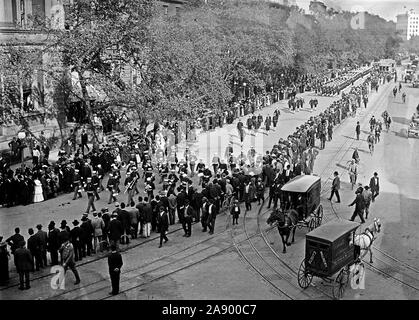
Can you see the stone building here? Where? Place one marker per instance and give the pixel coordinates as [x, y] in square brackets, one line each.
[17, 29]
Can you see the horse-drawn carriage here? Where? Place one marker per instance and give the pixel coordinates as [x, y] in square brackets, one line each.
[330, 249]
[300, 207]
[335, 248]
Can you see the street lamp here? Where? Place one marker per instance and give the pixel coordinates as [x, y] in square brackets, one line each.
[244, 89]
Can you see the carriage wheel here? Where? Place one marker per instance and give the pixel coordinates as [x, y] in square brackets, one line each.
[312, 224]
[304, 277]
[340, 284]
[319, 216]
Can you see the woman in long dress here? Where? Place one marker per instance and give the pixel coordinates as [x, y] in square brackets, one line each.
[38, 196]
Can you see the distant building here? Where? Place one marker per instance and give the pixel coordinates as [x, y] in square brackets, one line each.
[171, 7]
[408, 24]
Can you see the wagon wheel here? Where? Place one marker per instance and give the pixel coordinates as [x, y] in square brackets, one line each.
[319, 216]
[312, 224]
[341, 282]
[304, 276]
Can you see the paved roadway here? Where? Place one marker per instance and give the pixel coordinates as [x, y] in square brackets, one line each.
[204, 267]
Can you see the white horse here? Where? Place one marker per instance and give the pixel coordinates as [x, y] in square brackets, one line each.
[366, 239]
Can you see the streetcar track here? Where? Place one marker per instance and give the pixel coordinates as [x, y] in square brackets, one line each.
[291, 270]
[246, 260]
[103, 256]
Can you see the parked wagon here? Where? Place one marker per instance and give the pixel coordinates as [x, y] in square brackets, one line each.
[330, 250]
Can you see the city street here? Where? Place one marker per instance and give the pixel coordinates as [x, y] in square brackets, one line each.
[177, 270]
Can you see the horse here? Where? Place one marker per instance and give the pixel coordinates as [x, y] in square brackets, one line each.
[285, 222]
[366, 239]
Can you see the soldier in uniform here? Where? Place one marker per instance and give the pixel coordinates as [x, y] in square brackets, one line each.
[76, 184]
[96, 183]
[130, 184]
[90, 190]
[112, 189]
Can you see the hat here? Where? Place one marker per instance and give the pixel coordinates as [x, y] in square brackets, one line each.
[84, 218]
[63, 223]
[114, 214]
[52, 223]
[39, 226]
[116, 204]
[104, 209]
[75, 223]
[94, 213]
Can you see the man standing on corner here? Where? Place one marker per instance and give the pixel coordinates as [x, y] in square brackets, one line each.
[335, 187]
[24, 264]
[375, 186]
[67, 254]
[115, 264]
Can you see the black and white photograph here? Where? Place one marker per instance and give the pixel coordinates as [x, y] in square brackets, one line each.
[233, 151]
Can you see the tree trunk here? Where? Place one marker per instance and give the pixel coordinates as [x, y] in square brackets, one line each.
[87, 107]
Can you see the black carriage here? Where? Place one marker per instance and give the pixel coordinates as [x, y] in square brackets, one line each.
[329, 250]
[303, 195]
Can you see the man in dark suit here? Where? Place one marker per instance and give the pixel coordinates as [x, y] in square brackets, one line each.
[15, 240]
[33, 247]
[115, 230]
[187, 219]
[84, 139]
[163, 221]
[375, 186]
[358, 130]
[212, 215]
[42, 238]
[287, 174]
[359, 206]
[335, 187]
[115, 263]
[75, 238]
[24, 264]
[53, 242]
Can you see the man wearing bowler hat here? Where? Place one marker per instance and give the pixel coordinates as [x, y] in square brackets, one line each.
[75, 238]
[24, 264]
[67, 256]
[42, 237]
[115, 263]
[53, 242]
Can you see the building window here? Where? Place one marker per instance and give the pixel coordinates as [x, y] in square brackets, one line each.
[178, 10]
[166, 10]
[38, 9]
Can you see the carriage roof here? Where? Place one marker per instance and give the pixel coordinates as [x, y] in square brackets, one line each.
[333, 230]
[301, 183]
